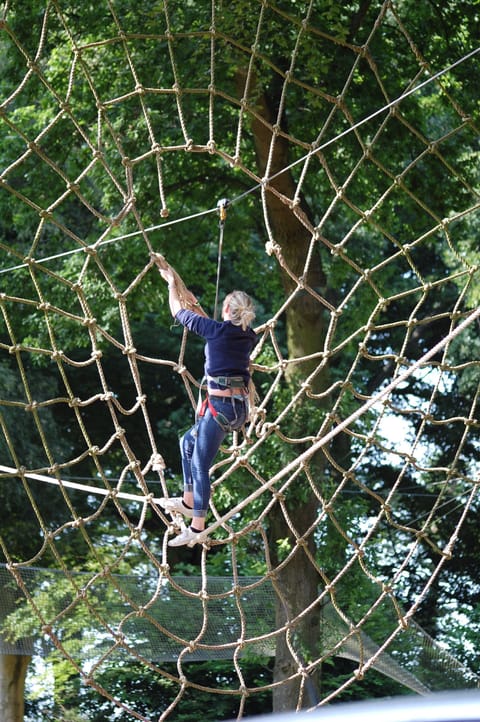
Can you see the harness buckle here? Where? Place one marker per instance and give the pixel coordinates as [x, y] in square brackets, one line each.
[228, 381]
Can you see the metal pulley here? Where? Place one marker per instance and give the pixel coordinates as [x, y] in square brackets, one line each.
[222, 206]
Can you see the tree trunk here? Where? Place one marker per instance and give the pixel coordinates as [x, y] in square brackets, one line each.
[299, 584]
[305, 319]
[13, 670]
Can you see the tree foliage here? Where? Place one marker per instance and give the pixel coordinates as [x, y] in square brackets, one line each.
[110, 138]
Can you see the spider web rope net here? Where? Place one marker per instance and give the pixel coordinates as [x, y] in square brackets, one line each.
[61, 256]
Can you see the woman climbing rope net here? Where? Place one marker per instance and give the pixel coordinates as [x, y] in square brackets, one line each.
[229, 344]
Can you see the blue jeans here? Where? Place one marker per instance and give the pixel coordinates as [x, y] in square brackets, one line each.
[200, 444]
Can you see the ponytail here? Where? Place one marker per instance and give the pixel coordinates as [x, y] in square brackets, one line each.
[241, 309]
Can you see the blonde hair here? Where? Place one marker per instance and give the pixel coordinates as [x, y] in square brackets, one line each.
[241, 308]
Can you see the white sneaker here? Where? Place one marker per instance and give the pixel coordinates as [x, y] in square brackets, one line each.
[188, 538]
[175, 505]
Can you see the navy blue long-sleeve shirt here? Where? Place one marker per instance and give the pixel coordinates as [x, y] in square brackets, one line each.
[228, 347]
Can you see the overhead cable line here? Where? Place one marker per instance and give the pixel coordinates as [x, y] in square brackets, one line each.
[265, 181]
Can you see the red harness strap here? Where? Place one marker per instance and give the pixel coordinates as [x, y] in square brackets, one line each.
[207, 403]
[222, 421]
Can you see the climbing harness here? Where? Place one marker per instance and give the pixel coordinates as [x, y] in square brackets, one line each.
[220, 418]
[225, 424]
[230, 382]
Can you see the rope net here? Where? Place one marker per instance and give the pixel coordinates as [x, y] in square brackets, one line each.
[351, 423]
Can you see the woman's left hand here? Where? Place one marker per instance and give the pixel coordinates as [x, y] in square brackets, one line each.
[167, 275]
